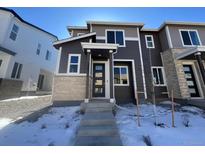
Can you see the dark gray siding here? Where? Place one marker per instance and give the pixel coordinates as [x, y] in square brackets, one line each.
[73, 48]
[156, 61]
[163, 40]
[131, 51]
[125, 94]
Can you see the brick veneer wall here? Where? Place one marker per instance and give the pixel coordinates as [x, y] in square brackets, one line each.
[10, 88]
[69, 88]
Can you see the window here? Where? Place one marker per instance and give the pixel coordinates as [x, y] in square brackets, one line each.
[16, 72]
[48, 55]
[115, 36]
[79, 34]
[190, 37]
[121, 75]
[38, 49]
[158, 76]
[74, 63]
[0, 62]
[14, 32]
[149, 41]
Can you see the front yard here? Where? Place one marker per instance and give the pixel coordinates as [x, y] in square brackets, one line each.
[59, 126]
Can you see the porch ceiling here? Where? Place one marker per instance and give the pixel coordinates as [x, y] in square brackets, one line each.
[189, 53]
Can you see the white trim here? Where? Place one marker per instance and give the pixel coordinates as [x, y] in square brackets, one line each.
[100, 37]
[152, 40]
[74, 38]
[196, 78]
[163, 76]
[188, 30]
[168, 37]
[107, 79]
[114, 30]
[133, 72]
[74, 75]
[115, 23]
[131, 38]
[78, 64]
[142, 66]
[86, 45]
[58, 60]
[121, 84]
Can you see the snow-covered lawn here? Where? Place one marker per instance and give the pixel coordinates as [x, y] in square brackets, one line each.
[57, 127]
[189, 122]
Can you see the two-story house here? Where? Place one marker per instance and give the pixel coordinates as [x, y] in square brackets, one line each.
[116, 61]
[27, 56]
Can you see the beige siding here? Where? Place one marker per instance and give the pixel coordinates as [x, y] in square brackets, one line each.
[129, 31]
[69, 88]
[76, 31]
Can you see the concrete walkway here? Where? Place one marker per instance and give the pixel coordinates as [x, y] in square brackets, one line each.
[98, 126]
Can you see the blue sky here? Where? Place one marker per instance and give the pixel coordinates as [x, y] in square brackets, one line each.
[55, 20]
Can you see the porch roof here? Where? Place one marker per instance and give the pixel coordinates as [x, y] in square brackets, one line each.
[190, 51]
[108, 46]
[7, 51]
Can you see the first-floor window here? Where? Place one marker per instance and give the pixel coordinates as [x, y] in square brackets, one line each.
[158, 76]
[48, 55]
[121, 75]
[74, 63]
[16, 72]
[0, 62]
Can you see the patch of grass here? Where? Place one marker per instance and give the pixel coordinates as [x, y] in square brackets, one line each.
[67, 125]
[162, 125]
[147, 140]
[185, 120]
[43, 126]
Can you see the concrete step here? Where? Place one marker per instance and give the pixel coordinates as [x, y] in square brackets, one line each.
[98, 118]
[98, 141]
[98, 109]
[98, 130]
[101, 105]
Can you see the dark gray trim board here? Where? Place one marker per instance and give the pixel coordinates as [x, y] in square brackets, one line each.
[7, 51]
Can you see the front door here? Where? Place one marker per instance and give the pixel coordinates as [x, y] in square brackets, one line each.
[98, 80]
[191, 81]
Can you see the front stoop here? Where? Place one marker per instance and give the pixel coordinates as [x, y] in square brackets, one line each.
[98, 126]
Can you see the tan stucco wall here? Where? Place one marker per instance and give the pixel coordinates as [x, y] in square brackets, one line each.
[69, 88]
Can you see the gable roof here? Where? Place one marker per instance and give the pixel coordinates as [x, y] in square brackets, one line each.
[7, 51]
[74, 38]
[17, 16]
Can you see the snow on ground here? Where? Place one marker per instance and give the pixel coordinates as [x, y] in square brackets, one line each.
[185, 116]
[57, 127]
[20, 98]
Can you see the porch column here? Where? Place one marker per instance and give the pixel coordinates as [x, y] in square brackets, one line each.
[87, 95]
[112, 97]
[201, 66]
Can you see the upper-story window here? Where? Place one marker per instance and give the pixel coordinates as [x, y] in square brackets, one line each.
[14, 32]
[16, 72]
[74, 63]
[190, 37]
[158, 76]
[149, 41]
[116, 36]
[38, 49]
[48, 55]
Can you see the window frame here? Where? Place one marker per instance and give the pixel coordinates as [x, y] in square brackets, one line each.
[121, 84]
[49, 55]
[17, 73]
[152, 40]
[163, 75]
[39, 46]
[12, 31]
[69, 63]
[115, 30]
[188, 30]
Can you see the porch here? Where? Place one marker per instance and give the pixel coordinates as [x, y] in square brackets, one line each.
[99, 76]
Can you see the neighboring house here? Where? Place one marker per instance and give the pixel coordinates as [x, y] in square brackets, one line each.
[115, 61]
[27, 56]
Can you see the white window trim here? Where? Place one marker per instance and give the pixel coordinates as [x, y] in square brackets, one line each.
[163, 74]
[152, 40]
[69, 59]
[123, 32]
[190, 37]
[128, 83]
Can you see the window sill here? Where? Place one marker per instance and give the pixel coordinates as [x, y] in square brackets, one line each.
[121, 85]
